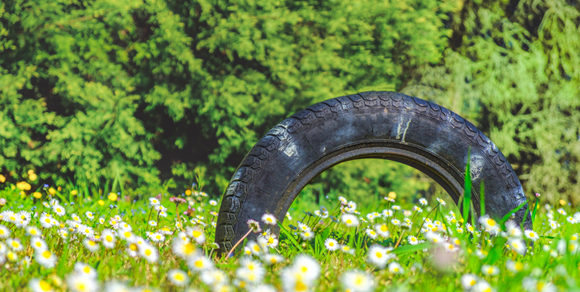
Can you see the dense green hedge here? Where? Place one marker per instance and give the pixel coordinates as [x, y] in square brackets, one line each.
[143, 90]
[516, 70]
[148, 90]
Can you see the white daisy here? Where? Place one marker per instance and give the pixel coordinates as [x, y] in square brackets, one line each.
[38, 243]
[531, 235]
[59, 210]
[200, 262]
[91, 245]
[178, 277]
[331, 244]
[81, 283]
[395, 268]
[269, 219]
[108, 238]
[350, 220]
[84, 269]
[4, 232]
[45, 258]
[149, 253]
[468, 281]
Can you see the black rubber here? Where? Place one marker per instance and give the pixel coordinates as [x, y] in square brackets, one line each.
[386, 125]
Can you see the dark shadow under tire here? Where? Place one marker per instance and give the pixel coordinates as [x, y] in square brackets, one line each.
[385, 125]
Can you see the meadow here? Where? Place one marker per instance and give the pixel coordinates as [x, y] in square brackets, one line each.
[65, 239]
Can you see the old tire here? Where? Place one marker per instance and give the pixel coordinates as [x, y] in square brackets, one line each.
[384, 125]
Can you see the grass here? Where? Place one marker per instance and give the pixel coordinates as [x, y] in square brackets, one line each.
[422, 247]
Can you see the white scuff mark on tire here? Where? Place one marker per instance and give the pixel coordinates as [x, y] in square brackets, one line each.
[476, 166]
[290, 149]
[403, 130]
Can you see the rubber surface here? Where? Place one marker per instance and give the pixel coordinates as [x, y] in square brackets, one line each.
[385, 125]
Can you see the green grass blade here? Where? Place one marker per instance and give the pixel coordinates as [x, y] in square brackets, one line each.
[467, 189]
[482, 198]
[534, 211]
[411, 248]
[289, 235]
[524, 220]
[507, 216]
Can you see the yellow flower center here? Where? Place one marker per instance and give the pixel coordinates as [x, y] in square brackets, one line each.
[300, 286]
[87, 269]
[46, 254]
[472, 282]
[44, 286]
[199, 263]
[189, 248]
[491, 222]
[379, 254]
[178, 277]
[81, 287]
[196, 233]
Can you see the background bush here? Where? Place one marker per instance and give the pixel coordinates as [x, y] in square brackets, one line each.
[515, 69]
[145, 91]
[149, 89]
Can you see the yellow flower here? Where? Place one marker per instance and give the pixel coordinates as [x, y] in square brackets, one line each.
[30, 171]
[37, 195]
[112, 196]
[562, 202]
[101, 202]
[392, 195]
[32, 177]
[52, 191]
[24, 186]
[74, 192]
[187, 192]
[2, 178]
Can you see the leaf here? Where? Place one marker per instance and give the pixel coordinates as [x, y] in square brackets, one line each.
[290, 237]
[412, 248]
[507, 216]
[482, 198]
[467, 189]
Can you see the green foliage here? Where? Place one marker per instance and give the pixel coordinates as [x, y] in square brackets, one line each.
[368, 181]
[92, 89]
[515, 72]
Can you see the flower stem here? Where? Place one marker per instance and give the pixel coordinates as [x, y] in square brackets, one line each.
[238, 243]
